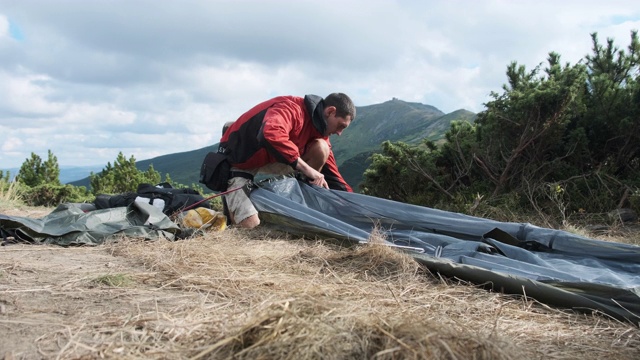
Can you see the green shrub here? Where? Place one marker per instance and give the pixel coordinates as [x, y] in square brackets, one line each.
[50, 195]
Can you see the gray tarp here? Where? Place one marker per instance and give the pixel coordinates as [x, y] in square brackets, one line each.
[68, 224]
[552, 266]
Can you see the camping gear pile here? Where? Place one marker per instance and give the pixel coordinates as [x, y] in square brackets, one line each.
[152, 212]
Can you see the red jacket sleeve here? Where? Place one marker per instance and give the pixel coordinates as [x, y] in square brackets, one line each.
[281, 121]
[332, 175]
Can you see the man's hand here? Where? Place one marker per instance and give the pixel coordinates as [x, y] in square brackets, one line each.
[314, 176]
[319, 181]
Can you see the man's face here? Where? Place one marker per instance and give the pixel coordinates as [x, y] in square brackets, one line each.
[336, 124]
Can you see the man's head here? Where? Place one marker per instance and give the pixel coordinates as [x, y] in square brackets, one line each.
[339, 111]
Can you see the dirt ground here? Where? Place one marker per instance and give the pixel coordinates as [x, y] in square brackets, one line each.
[46, 291]
[204, 297]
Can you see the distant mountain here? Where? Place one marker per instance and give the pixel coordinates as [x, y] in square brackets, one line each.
[393, 120]
[68, 174]
[435, 130]
[12, 172]
[183, 167]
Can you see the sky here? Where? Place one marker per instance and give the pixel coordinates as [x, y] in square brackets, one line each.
[90, 79]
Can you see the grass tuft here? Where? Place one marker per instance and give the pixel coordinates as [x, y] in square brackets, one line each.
[113, 280]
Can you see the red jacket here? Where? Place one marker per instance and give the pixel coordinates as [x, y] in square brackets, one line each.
[278, 130]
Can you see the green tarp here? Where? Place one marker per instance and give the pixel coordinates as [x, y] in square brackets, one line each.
[69, 224]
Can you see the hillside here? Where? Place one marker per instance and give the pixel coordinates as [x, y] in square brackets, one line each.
[435, 129]
[183, 167]
[393, 120]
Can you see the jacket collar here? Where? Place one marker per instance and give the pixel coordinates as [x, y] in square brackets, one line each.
[315, 108]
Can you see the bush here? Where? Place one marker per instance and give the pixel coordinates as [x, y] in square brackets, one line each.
[52, 195]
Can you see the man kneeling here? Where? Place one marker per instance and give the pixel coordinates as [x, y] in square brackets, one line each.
[280, 136]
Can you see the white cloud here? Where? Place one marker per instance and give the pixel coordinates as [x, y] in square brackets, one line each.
[10, 144]
[4, 26]
[26, 96]
[90, 79]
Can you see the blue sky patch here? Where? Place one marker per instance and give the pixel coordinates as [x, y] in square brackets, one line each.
[619, 19]
[15, 32]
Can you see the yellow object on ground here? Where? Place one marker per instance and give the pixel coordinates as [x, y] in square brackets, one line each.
[203, 218]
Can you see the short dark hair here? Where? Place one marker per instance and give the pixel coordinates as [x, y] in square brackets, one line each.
[344, 105]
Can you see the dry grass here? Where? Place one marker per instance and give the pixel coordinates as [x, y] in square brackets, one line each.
[11, 202]
[628, 234]
[9, 194]
[260, 295]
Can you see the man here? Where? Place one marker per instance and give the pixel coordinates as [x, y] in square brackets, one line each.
[280, 136]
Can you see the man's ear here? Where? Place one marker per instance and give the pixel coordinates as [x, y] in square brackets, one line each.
[329, 110]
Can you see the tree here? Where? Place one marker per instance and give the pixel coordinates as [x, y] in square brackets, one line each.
[521, 133]
[122, 177]
[425, 174]
[30, 172]
[405, 173]
[612, 123]
[34, 171]
[51, 170]
[5, 176]
[455, 157]
[561, 135]
[387, 173]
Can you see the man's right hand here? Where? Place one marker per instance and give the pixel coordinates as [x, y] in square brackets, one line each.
[313, 176]
[320, 181]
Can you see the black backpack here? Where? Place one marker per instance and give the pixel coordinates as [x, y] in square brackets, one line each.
[215, 171]
[172, 200]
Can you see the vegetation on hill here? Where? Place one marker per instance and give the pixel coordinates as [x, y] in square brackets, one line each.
[182, 168]
[562, 140]
[374, 124]
[37, 182]
[122, 177]
[393, 120]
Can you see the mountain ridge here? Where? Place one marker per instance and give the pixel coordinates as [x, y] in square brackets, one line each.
[393, 120]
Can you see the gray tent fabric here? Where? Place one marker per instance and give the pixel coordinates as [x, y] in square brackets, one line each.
[69, 225]
[552, 266]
